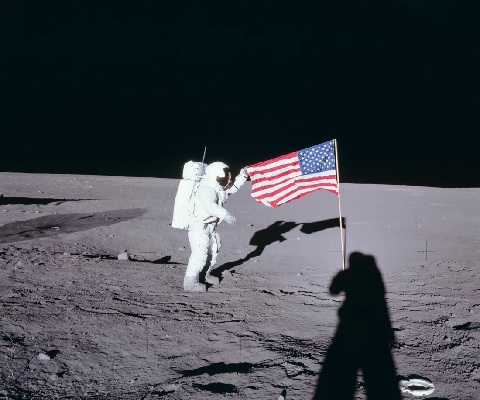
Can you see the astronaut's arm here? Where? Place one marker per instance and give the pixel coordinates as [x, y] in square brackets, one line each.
[209, 201]
[239, 181]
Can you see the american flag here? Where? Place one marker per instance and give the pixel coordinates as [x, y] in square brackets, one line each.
[294, 175]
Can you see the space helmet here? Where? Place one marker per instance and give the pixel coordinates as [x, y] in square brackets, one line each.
[218, 172]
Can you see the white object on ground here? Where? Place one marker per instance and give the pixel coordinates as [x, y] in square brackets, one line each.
[417, 387]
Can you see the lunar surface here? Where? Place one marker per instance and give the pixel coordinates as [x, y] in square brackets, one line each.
[92, 305]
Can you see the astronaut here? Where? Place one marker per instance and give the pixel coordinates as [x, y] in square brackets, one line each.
[205, 214]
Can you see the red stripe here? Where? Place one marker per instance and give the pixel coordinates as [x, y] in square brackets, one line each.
[302, 191]
[293, 166]
[263, 163]
[279, 200]
[274, 192]
[256, 188]
[297, 186]
[323, 177]
[315, 185]
[282, 177]
[300, 195]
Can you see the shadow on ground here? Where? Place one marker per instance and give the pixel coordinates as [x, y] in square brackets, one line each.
[51, 225]
[161, 261]
[34, 200]
[363, 338]
[274, 233]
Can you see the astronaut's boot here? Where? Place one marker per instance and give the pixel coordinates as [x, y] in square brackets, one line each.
[191, 284]
[209, 278]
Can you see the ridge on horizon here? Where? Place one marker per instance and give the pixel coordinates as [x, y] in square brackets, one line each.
[417, 183]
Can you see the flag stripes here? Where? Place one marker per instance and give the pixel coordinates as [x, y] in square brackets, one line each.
[290, 177]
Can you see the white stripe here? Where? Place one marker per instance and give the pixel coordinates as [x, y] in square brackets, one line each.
[275, 182]
[288, 198]
[300, 191]
[275, 164]
[319, 181]
[260, 192]
[319, 174]
[282, 193]
[316, 182]
[270, 176]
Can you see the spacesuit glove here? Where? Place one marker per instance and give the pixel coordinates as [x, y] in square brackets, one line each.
[240, 180]
[229, 219]
[244, 172]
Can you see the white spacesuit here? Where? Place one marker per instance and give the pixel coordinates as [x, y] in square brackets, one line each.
[206, 212]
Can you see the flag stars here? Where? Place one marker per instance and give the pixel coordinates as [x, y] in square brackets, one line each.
[317, 159]
[308, 170]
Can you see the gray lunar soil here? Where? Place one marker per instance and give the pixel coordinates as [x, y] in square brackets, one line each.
[76, 322]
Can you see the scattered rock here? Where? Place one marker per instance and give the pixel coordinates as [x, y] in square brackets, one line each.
[123, 256]
[43, 357]
[170, 388]
[475, 374]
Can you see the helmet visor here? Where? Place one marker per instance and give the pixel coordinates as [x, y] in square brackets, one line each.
[225, 179]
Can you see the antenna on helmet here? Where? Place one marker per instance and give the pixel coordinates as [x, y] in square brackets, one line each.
[204, 151]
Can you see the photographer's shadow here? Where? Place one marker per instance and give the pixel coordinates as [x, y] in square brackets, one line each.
[363, 338]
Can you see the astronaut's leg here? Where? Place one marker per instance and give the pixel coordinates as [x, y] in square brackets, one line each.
[214, 248]
[199, 245]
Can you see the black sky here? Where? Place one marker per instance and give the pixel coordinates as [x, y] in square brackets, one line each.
[140, 87]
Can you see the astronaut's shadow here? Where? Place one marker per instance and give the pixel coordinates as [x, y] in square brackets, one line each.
[274, 233]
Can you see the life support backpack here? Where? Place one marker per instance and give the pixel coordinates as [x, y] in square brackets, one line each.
[192, 175]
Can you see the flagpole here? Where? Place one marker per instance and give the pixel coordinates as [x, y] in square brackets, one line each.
[339, 206]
